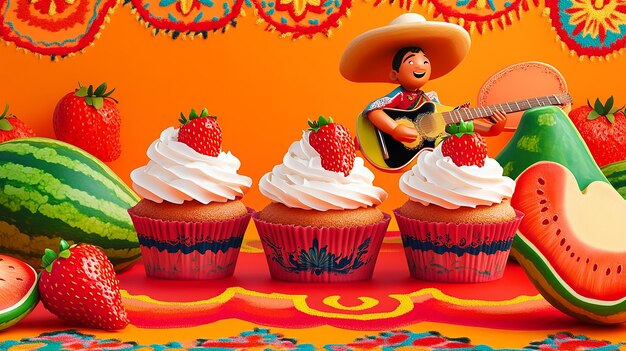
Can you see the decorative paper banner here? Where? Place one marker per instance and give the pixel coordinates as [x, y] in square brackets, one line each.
[187, 17]
[301, 17]
[590, 27]
[57, 28]
[263, 339]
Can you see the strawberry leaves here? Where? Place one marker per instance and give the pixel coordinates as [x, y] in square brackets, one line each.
[322, 121]
[95, 97]
[193, 115]
[5, 125]
[603, 110]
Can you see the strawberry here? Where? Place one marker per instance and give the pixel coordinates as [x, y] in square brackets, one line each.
[89, 119]
[334, 144]
[604, 130]
[12, 128]
[201, 133]
[80, 286]
[463, 146]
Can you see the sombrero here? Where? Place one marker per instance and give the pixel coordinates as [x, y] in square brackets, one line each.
[368, 57]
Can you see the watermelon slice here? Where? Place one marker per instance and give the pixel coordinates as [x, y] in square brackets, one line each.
[572, 244]
[18, 290]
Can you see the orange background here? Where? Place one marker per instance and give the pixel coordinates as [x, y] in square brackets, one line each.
[263, 88]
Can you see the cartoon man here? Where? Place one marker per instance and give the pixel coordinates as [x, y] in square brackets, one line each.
[409, 51]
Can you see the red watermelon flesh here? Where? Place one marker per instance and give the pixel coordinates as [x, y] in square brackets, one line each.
[18, 290]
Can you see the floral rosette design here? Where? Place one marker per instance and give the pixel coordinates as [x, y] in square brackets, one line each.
[302, 17]
[187, 17]
[56, 28]
[590, 27]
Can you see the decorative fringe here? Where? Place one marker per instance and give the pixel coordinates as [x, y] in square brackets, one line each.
[321, 20]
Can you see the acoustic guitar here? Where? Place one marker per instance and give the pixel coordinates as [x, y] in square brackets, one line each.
[430, 120]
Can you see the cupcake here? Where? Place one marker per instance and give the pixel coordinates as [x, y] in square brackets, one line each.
[322, 224]
[190, 222]
[458, 224]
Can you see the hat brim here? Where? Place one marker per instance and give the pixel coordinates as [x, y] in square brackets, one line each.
[369, 56]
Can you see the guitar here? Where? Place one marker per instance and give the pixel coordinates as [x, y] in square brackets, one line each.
[430, 120]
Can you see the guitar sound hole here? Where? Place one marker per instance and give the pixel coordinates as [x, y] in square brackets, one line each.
[429, 126]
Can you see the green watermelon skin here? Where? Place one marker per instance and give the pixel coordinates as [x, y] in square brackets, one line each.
[18, 291]
[616, 174]
[547, 134]
[50, 190]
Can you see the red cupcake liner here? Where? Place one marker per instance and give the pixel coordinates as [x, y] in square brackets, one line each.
[457, 253]
[321, 255]
[190, 250]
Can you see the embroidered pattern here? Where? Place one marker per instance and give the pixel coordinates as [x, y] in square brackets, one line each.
[319, 260]
[263, 339]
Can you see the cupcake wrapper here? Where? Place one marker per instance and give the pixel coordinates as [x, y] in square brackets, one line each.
[457, 253]
[190, 250]
[321, 255]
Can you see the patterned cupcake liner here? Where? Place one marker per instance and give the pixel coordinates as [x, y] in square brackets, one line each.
[321, 255]
[457, 253]
[190, 250]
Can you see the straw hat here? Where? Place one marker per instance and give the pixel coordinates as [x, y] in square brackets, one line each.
[368, 57]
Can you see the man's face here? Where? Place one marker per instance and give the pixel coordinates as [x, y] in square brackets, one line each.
[414, 71]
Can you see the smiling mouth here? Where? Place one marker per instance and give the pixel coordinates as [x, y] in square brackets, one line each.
[419, 75]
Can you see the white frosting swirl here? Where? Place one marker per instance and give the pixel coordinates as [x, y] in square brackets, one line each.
[177, 173]
[437, 180]
[301, 182]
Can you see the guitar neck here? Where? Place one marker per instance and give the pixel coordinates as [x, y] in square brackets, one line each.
[468, 114]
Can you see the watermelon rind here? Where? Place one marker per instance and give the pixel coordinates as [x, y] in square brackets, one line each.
[547, 134]
[616, 174]
[589, 309]
[51, 190]
[15, 313]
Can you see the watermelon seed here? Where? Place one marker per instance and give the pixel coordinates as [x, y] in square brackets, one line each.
[539, 191]
[578, 259]
[544, 209]
[587, 260]
[608, 271]
[558, 232]
[545, 222]
[3, 279]
[572, 255]
[543, 201]
[541, 181]
[19, 279]
[568, 247]
[562, 241]
[619, 269]
[555, 218]
[595, 267]
[11, 267]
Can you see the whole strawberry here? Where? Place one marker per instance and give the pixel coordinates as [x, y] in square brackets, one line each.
[80, 286]
[603, 128]
[12, 128]
[201, 132]
[463, 146]
[334, 144]
[89, 118]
